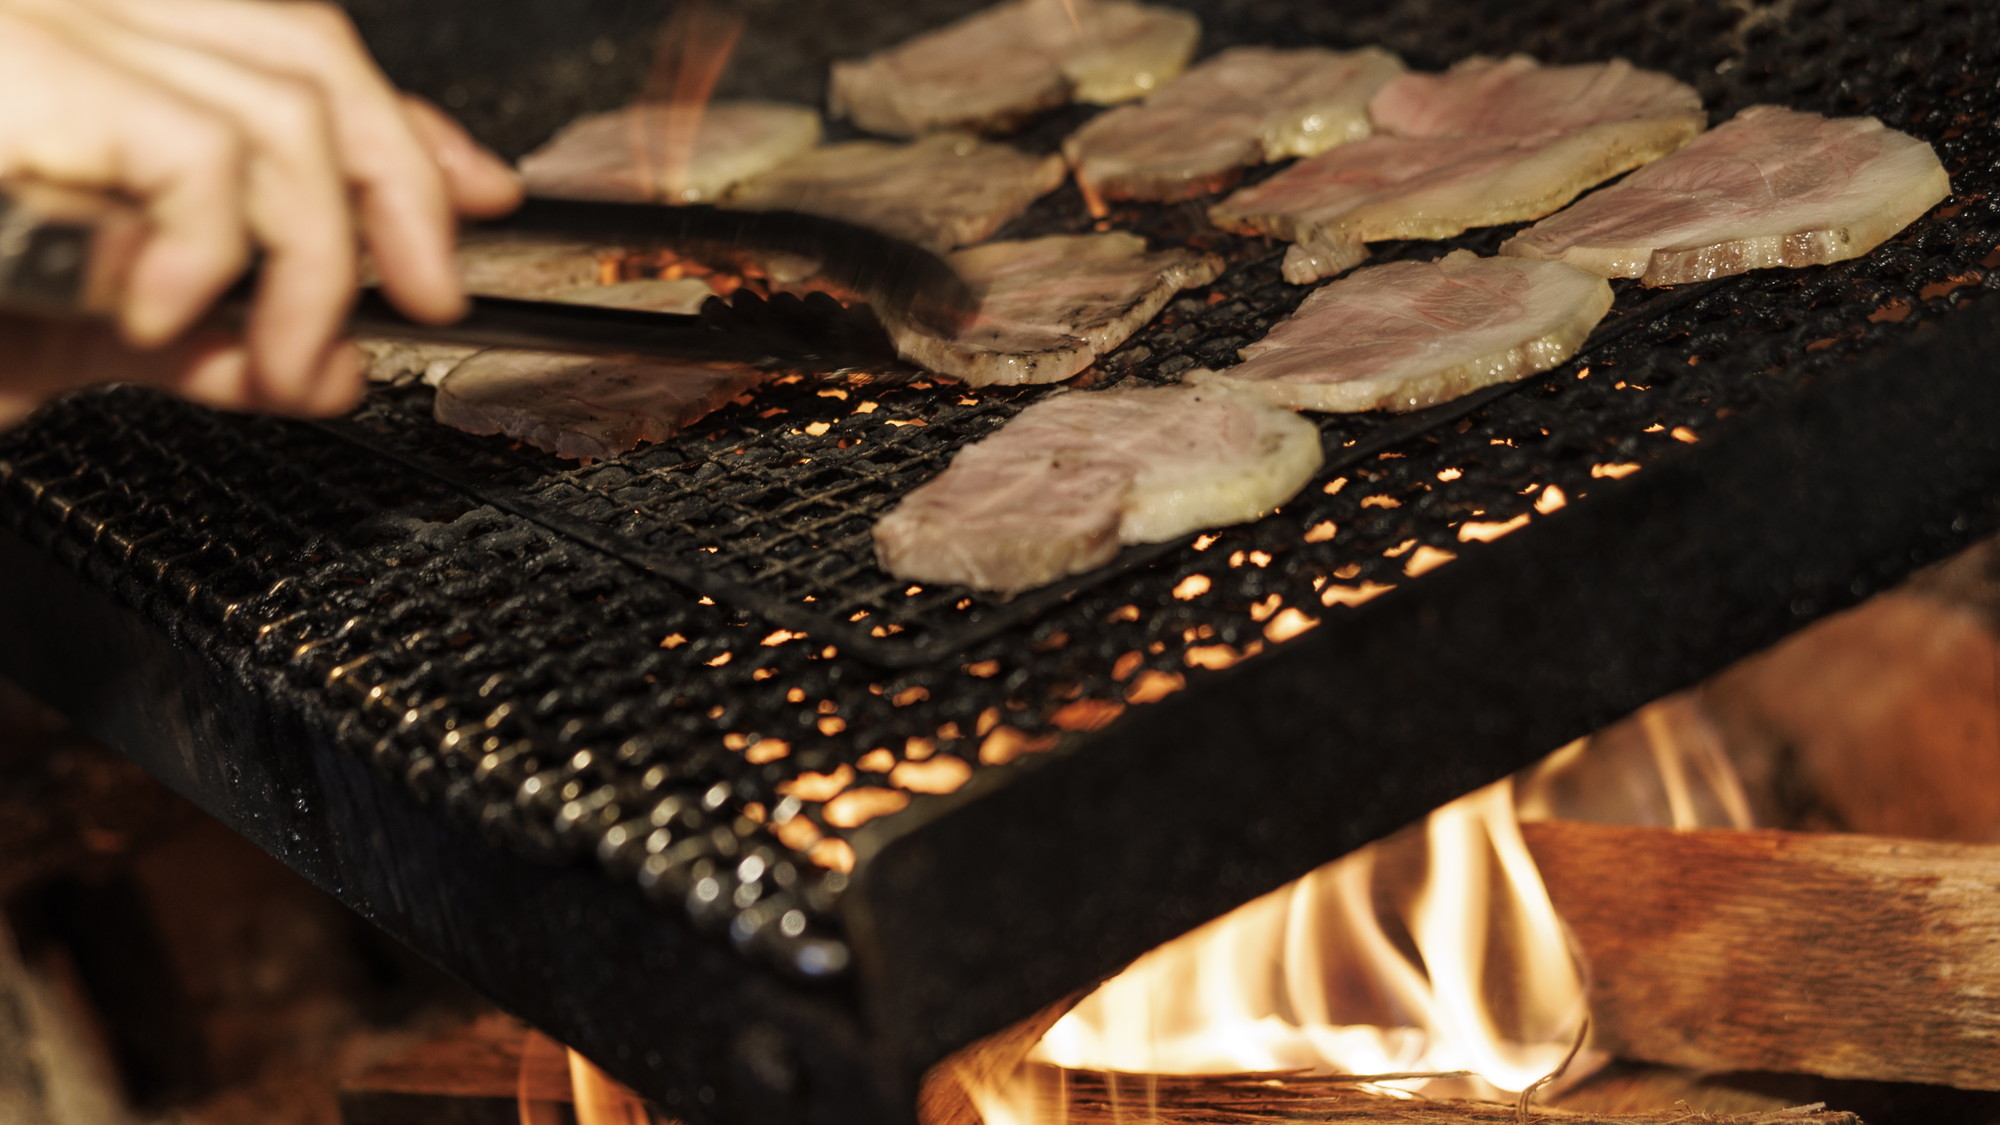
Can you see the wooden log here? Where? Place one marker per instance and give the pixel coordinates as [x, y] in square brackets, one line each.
[470, 1076]
[1098, 1099]
[1882, 720]
[951, 1090]
[1842, 956]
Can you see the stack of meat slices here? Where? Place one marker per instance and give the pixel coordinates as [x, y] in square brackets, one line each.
[1245, 106]
[1488, 142]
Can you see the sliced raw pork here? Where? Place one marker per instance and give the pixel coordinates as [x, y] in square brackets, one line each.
[1407, 335]
[942, 191]
[669, 153]
[996, 68]
[1245, 106]
[1072, 478]
[1486, 143]
[1518, 97]
[1771, 187]
[1379, 188]
[1051, 306]
[586, 407]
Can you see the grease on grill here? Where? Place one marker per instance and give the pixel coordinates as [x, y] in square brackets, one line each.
[569, 705]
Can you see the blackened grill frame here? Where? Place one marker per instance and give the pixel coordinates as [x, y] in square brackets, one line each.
[210, 612]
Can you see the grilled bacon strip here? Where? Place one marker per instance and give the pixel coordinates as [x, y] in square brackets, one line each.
[1771, 187]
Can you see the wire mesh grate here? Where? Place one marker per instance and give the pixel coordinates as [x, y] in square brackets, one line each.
[606, 662]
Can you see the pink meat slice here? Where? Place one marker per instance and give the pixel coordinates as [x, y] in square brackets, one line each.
[1407, 335]
[1771, 187]
[1486, 143]
[1072, 478]
[1380, 188]
[1050, 306]
[1245, 106]
[585, 407]
[669, 153]
[1518, 97]
[994, 69]
[942, 191]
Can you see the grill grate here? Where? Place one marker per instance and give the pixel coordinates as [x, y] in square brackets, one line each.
[621, 661]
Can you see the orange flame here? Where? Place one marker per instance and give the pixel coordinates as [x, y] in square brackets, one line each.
[694, 46]
[1434, 953]
[602, 1101]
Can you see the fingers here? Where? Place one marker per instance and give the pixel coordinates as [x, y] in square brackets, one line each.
[73, 119]
[45, 358]
[405, 202]
[481, 184]
[295, 195]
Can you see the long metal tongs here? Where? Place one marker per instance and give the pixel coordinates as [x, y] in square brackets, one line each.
[51, 266]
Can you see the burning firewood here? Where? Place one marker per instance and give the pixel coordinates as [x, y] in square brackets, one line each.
[1085, 1098]
[1842, 956]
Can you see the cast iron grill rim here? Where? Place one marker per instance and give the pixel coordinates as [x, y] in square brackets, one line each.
[516, 676]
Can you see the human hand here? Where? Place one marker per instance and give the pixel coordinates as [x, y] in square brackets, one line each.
[236, 127]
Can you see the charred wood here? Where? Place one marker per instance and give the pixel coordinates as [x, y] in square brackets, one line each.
[1081, 1098]
[1843, 956]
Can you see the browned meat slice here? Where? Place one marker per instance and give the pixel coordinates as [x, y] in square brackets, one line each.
[1518, 97]
[942, 191]
[1772, 187]
[1245, 106]
[996, 68]
[1407, 335]
[1416, 187]
[1060, 487]
[510, 266]
[669, 153]
[1051, 306]
[663, 295]
[390, 360]
[581, 406]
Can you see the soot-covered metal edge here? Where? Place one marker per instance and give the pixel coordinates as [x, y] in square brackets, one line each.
[922, 988]
[709, 1034]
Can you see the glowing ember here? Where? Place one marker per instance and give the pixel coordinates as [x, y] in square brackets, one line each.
[694, 45]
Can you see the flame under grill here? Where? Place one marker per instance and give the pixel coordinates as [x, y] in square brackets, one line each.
[680, 672]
